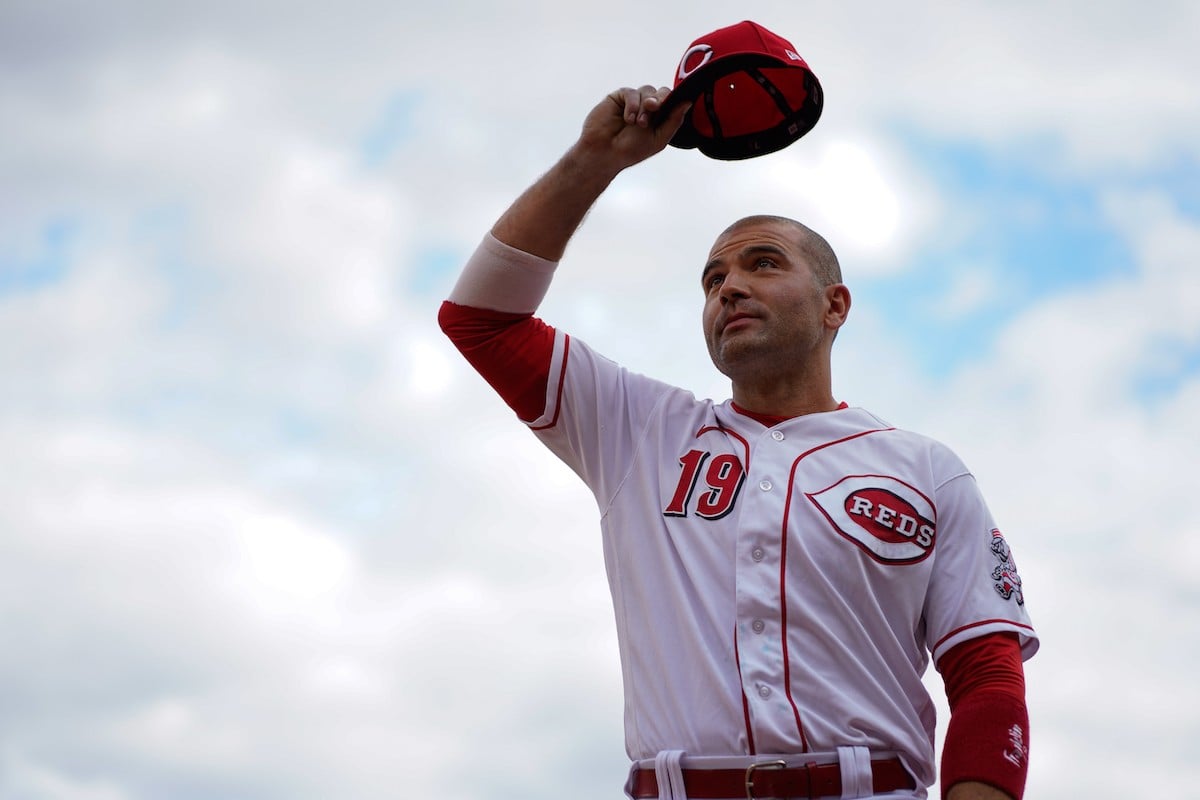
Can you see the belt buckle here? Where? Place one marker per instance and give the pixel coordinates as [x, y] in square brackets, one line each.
[777, 764]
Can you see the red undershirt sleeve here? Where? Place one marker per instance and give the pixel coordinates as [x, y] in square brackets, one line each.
[511, 351]
[988, 736]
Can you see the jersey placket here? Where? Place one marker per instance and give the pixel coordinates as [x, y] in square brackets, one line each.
[758, 596]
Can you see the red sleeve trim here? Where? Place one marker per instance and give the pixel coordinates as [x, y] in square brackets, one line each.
[562, 378]
[978, 624]
[511, 351]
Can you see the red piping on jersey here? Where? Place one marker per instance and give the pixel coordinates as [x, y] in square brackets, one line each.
[787, 662]
[771, 420]
[787, 509]
[737, 660]
[562, 376]
[957, 631]
[728, 432]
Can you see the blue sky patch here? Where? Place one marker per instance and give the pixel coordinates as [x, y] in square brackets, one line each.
[1177, 364]
[297, 426]
[434, 270]
[48, 264]
[1181, 180]
[166, 229]
[390, 128]
[1028, 234]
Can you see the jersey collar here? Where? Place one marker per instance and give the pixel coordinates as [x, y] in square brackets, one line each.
[769, 420]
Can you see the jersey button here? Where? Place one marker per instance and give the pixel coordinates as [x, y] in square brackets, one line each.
[777, 435]
[758, 554]
[764, 691]
[765, 485]
[758, 626]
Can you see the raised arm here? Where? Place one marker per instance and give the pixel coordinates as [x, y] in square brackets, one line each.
[619, 132]
[489, 313]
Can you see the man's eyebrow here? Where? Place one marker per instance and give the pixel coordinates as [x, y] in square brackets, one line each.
[745, 252]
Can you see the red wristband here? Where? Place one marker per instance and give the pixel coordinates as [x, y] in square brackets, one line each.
[988, 741]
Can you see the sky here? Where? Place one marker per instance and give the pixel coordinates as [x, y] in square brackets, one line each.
[264, 535]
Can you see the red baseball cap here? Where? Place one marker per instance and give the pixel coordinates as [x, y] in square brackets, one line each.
[751, 91]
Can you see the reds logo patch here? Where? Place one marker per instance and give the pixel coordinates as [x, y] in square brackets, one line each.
[891, 521]
[1007, 581]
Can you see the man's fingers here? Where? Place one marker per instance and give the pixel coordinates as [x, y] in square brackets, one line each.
[651, 99]
[628, 126]
[639, 105]
[631, 104]
[646, 105]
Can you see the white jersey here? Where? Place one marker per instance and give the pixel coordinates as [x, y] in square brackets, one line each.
[777, 590]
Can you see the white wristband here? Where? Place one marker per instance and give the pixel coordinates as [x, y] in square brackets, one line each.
[502, 278]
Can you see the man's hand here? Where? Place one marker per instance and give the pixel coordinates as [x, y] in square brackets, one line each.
[619, 132]
[622, 130]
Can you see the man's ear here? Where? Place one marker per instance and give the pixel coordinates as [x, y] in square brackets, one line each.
[837, 305]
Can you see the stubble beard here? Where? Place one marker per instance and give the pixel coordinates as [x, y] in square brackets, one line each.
[743, 355]
[760, 357]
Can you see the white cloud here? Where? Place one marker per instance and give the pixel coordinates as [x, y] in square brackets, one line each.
[852, 191]
[23, 778]
[279, 554]
[262, 533]
[1075, 85]
[972, 287]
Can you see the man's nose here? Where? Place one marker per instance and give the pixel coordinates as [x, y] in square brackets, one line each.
[733, 287]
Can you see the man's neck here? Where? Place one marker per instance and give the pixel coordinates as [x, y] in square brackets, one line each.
[787, 385]
[781, 403]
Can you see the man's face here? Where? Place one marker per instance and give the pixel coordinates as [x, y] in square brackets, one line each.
[764, 311]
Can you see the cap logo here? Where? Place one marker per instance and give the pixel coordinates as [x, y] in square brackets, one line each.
[693, 50]
[793, 56]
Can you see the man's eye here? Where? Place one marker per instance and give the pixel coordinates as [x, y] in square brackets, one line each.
[713, 281]
[764, 262]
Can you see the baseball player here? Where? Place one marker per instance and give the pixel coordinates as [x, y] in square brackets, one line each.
[783, 566]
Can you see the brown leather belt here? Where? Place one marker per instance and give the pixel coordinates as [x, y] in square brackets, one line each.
[774, 779]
